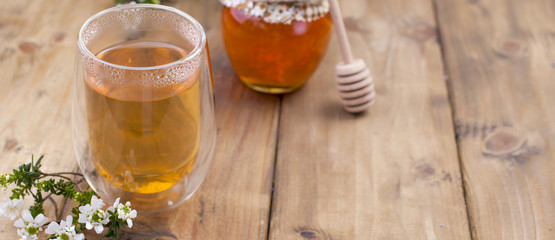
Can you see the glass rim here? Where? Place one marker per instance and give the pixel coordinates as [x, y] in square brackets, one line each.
[194, 53]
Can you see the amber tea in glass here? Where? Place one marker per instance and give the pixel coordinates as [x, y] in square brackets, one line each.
[143, 106]
[137, 153]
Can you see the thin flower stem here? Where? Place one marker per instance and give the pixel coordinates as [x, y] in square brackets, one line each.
[46, 198]
[60, 173]
[34, 196]
[55, 207]
[54, 175]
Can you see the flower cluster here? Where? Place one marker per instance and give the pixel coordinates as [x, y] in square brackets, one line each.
[29, 180]
[29, 226]
[93, 216]
[123, 212]
[64, 231]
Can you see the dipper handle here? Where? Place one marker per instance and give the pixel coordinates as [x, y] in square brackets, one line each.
[353, 79]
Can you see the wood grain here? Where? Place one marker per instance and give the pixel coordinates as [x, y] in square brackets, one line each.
[391, 173]
[37, 51]
[37, 47]
[500, 57]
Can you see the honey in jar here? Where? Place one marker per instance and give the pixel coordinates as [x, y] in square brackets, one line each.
[275, 47]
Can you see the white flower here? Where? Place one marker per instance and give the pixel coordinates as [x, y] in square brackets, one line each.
[258, 10]
[234, 3]
[124, 212]
[4, 183]
[10, 207]
[93, 216]
[65, 230]
[30, 227]
[299, 15]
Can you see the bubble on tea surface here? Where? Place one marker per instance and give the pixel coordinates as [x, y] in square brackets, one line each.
[131, 18]
[156, 19]
[185, 29]
[147, 78]
[180, 73]
[88, 64]
[90, 32]
[111, 75]
[99, 26]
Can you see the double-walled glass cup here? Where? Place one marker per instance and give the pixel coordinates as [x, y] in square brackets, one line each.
[143, 110]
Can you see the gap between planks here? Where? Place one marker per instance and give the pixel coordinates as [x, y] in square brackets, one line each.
[280, 104]
[449, 89]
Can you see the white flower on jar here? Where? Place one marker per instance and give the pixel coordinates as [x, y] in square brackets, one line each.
[234, 3]
[299, 15]
[258, 10]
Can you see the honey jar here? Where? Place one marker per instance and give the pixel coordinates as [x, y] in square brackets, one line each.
[275, 46]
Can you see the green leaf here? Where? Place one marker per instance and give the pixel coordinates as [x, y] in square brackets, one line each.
[38, 164]
[84, 197]
[75, 211]
[36, 209]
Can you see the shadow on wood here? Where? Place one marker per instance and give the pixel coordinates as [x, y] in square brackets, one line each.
[151, 227]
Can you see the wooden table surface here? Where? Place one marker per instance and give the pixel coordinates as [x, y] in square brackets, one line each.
[458, 145]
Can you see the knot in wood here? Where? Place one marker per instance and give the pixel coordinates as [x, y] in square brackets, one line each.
[422, 32]
[501, 142]
[308, 234]
[312, 233]
[425, 170]
[352, 24]
[10, 144]
[509, 48]
[28, 47]
[60, 36]
[513, 144]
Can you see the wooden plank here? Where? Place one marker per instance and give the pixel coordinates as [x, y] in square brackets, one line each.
[500, 57]
[36, 57]
[37, 52]
[391, 173]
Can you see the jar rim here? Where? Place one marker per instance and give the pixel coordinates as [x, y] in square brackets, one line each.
[281, 11]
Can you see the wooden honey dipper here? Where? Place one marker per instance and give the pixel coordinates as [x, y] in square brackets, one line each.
[353, 79]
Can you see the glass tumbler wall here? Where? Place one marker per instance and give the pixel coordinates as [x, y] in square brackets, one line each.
[275, 46]
[143, 110]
